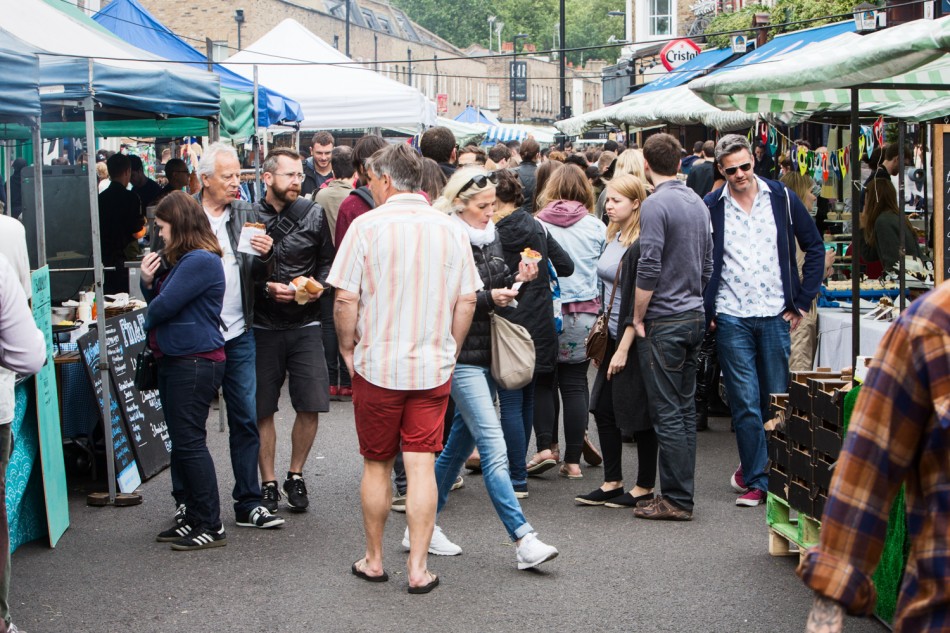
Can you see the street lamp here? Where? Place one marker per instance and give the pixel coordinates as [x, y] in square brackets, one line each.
[491, 31]
[499, 26]
[514, 60]
[627, 15]
[239, 18]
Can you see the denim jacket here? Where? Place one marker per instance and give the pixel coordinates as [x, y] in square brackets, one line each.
[583, 241]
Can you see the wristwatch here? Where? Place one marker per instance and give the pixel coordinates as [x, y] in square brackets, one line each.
[267, 289]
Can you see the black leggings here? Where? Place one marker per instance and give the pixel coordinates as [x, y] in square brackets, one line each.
[544, 412]
[575, 392]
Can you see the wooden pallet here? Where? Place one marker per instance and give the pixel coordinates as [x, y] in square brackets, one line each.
[790, 532]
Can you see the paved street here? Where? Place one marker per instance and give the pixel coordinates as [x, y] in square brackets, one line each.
[614, 573]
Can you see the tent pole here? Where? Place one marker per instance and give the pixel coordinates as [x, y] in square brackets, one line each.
[855, 171]
[902, 252]
[7, 169]
[38, 193]
[103, 367]
[254, 145]
[925, 166]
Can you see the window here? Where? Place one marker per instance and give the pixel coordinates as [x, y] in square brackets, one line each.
[493, 97]
[661, 17]
[406, 25]
[219, 50]
[385, 25]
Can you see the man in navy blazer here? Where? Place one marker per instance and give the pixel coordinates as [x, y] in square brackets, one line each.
[755, 297]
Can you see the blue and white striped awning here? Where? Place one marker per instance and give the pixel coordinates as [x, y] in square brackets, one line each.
[505, 133]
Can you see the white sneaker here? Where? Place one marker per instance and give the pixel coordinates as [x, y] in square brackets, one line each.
[440, 545]
[532, 552]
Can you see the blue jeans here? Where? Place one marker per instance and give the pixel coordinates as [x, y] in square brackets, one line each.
[668, 361]
[186, 387]
[475, 424]
[753, 353]
[240, 387]
[517, 420]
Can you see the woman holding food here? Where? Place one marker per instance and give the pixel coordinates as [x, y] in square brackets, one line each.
[618, 397]
[469, 198]
[184, 304]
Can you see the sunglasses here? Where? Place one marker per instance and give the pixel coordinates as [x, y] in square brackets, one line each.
[479, 181]
[731, 171]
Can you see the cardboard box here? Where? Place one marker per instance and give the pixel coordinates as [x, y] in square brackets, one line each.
[828, 399]
[778, 482]
[799, 396]
[799, 462]
[827, 437]
[799, 495]
[799, 430]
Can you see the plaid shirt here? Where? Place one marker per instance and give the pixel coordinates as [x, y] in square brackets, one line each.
[899, 433]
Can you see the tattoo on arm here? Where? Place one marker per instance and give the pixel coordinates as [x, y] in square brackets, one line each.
[826, 616]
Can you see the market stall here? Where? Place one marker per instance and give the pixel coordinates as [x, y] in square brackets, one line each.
[334, 91]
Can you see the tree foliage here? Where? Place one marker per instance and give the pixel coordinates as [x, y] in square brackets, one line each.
[789, 15]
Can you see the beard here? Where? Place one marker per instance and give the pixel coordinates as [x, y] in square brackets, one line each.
[288, 195]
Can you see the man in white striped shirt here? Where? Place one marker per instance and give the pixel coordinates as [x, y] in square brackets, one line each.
[405, 294]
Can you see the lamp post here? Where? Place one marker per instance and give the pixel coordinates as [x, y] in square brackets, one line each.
[347, 44]
[562, 68]
[514, 60]
[239, 18]
[499, 26]
[491, 31]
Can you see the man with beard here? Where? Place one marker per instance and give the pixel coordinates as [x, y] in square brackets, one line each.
[287, 324]
[317, 169]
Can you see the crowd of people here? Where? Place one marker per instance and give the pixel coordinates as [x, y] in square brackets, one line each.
[688, 261]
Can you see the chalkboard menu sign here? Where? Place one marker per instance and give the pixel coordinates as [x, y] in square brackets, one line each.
[140, 412]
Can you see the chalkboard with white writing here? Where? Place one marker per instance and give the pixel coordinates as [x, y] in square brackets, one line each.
[141, 411]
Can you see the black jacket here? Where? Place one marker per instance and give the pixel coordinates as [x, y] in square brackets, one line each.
[253, 268]
[120, 218]
[476, 348]
[308, 251]
[535, 309]
[528, 173]
[312, 181]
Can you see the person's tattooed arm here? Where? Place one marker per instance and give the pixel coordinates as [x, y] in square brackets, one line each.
[826, 616]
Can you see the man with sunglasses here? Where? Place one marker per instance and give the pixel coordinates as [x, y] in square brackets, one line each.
[288, 333]
[755, 297]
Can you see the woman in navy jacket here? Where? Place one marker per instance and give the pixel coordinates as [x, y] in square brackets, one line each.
[183, 326]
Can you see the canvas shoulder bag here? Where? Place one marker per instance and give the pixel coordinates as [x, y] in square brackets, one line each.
[512, 353]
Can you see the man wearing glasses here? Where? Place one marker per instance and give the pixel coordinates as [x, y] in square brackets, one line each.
[287, 324]
[755, 297]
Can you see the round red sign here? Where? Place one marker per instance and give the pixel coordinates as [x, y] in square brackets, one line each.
[678, 52]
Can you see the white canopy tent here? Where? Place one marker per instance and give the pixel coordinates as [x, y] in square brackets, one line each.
[334, 91]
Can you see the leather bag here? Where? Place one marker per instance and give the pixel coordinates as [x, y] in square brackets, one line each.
[597, 339]
[512, 354]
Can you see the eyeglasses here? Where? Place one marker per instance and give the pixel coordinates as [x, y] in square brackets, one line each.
[479, 181]
[731, 171]
[294, 177]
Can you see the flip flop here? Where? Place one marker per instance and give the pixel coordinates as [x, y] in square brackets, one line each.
[426, 588]
[563, 472]
[359, 573]
[536, 468]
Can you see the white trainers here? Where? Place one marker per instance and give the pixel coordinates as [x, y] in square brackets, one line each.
[440, 545]
[532, 552]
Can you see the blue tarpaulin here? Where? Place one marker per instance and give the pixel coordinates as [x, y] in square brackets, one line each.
[475, 115]
[790, 42]
[20, 97]
[131, 22]
[688, 71]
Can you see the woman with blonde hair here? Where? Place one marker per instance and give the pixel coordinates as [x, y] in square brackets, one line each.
[619, 398]
[629, 162]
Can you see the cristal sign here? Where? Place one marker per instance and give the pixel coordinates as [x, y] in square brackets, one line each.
[678, 52]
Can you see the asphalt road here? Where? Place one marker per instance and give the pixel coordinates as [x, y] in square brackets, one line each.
[614, 572]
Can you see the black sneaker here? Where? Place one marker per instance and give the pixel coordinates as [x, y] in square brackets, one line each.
[598, 497]
[174, 533]
[259, 517]
[204, 539]
[270, 495]
[180, 515]
[296, 492]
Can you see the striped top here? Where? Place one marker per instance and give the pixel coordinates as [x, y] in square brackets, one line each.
[409, 264]
[899, 434]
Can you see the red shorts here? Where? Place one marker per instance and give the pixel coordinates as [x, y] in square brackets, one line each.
[387, 419]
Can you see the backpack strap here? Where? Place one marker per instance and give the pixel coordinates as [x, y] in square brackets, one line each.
[289, 218]
[364, 194]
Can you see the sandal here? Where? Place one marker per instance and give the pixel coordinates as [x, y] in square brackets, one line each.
[426, 588]
[538, 466]
[360, 572]
[591, 455]
[566, 473]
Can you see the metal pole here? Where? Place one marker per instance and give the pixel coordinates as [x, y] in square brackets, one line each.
[562, 67]
[514, 78]
[409, 67]
[7, 171]
[209, 49]
[348, 27]
[375, 52]
[856, 236]
[254, 145]
[925, 142]
[38, 192]
[901, 251]
[103, 366]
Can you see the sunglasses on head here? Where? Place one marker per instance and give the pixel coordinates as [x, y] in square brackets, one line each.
[731, 171]
[480, 181]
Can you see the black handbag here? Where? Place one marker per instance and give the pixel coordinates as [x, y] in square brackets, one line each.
[146, 370]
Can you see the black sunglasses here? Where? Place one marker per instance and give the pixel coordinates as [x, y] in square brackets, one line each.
[480, 181]
[731, 171]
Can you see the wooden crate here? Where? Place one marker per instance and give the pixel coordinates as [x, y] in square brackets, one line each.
[821, 470]
[828, 399]
[799, 395]
[799, 461]
[778, 450]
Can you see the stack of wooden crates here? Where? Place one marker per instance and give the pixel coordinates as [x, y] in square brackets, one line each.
[803, 448]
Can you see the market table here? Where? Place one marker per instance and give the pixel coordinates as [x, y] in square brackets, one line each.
[834, 337]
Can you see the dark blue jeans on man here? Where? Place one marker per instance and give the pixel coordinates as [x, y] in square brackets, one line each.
[668, 361]
[186, 386]
[753, 353]
[240, 387]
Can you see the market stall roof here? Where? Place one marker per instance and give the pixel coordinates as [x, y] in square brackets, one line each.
[465, 133]
[707, 60]
[472, 114]
[131, 22]
[20, 97]
[505, 133]
[78, 58]
[334, 91]
[903, 71]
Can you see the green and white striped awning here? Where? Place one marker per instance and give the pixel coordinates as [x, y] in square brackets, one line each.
[818, 77]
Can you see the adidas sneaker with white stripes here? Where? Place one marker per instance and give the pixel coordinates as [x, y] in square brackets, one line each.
[201, 540]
